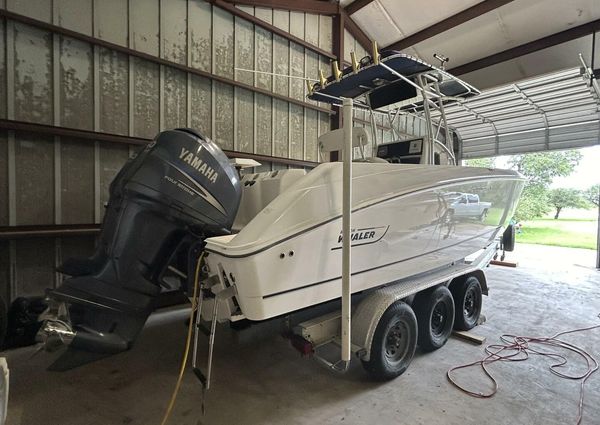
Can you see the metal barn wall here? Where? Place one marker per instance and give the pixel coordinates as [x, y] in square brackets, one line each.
[129, 68]
[61, 81]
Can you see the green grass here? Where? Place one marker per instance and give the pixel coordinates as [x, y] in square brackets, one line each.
[567, 232]
[565, 219]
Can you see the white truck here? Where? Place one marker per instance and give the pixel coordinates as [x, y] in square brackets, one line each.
[468, 205]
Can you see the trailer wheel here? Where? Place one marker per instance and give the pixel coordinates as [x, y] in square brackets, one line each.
[434, 310]
[467, 303]
[394, 343]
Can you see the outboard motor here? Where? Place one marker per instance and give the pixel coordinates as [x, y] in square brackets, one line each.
[178, 191]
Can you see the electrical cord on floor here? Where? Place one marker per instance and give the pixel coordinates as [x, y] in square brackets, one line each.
[187, 343]
[516, 348]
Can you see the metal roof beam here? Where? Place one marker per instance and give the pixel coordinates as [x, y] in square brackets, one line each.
[527, 48]
[448, 23]
[356, 32]
[356, 5]
[309, 6]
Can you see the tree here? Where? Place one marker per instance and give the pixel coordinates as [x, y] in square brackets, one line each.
[481, 162]
[532, 204]
[540, 169]
[592, 195]
[566, 198]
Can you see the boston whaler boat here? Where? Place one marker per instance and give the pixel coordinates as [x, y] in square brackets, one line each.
[400, 238]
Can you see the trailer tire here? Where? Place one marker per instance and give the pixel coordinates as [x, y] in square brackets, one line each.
[434, 310]
[467, 303]
[394, 343]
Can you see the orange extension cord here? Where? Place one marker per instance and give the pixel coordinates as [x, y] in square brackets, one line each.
[518, 348]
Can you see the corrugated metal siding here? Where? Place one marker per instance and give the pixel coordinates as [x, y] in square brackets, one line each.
[2, 68]
[3, 179]
[352, 45]
[51, 79]
[34, 179]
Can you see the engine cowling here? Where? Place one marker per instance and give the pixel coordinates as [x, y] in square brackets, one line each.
[179, 190]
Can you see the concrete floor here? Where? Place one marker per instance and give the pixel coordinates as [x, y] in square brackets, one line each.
[259, 379]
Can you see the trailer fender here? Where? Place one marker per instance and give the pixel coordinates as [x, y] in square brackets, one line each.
[479, 274]
[367, 315]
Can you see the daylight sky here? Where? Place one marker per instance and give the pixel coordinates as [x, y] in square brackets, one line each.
[587, 172]
[585, 175]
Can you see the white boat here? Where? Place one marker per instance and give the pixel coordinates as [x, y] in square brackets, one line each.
[416, 219]
[288, 256]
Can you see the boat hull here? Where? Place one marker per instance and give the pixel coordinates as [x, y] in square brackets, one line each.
[393, 238]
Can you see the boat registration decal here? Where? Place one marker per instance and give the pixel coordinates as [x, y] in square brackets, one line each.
[363, 236]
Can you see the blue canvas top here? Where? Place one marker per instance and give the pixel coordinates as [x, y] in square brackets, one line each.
[384, 87]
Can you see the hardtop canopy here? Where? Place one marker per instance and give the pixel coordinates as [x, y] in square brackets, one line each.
[391, 79]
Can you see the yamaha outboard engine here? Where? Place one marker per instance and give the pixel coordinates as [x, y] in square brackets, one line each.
[179, 190]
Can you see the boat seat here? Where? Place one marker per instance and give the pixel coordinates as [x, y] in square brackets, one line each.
[259, 189]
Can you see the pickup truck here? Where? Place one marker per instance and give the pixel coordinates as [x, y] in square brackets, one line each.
[468, 205]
